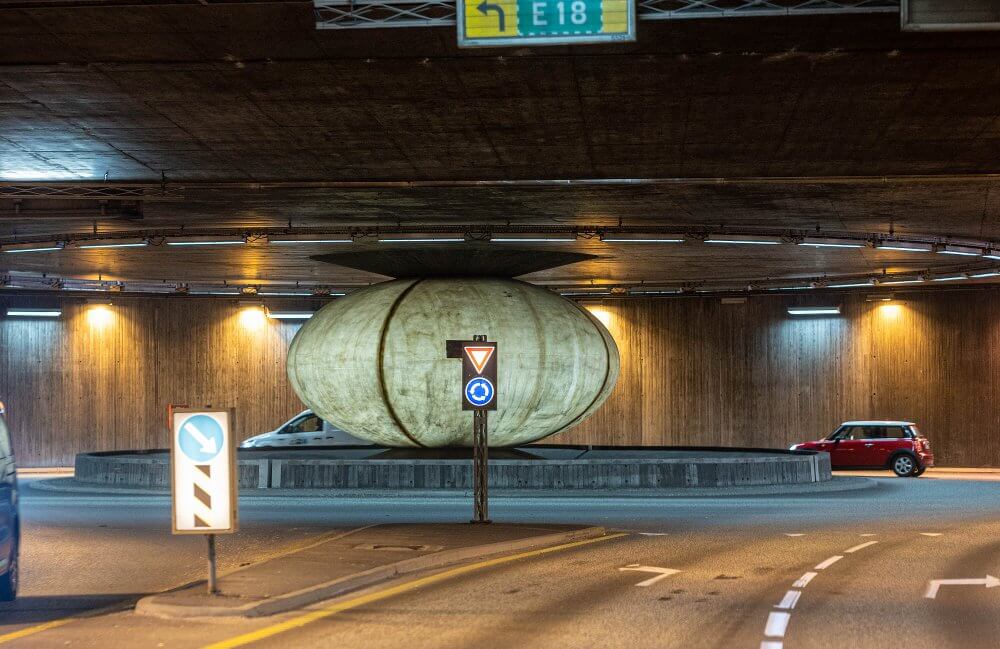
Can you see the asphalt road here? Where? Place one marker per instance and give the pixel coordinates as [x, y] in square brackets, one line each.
[739, 560]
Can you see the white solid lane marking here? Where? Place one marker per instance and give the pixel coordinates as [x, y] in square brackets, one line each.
[935, 585]
[663, 573]
[790, 599]
[861, 546]
[793, 535]
[804, 580]
[829, 562]
[869, 535]
[930, 534]
[771, 644]
[777, 623]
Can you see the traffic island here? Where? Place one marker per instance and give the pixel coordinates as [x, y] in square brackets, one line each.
[535, 467]
[351, 561]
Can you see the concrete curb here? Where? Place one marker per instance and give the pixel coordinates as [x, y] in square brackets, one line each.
[298, 599]
[837, 484]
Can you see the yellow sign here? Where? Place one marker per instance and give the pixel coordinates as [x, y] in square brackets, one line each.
[489, 23]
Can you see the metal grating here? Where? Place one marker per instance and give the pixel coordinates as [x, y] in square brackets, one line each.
[368, 14]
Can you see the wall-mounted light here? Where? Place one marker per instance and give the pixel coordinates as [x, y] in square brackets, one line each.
[814, 310]
[904, 246]
[750, 239]
[964, 251]
[867, 282]
[33, 313]
[633, 237]
[99, 313]
[826, 242]
[252, 315]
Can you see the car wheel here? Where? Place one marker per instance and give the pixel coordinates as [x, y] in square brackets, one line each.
[8, 582]
[904, 465]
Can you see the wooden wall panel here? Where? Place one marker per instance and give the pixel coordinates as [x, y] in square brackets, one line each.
[694, 372]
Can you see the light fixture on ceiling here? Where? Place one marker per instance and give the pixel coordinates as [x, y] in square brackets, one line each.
[868, 282]
[904, 246]
[91, 244]
[641, 237]
[655, 290]
[46, 246]
[826, 242]
[533, 237]
[289, 315]
[204, 241]
[305, 239]
[814, 310]
[964, 251]
[33, 313]
[423, 237]
[751, 239]
[899, 282]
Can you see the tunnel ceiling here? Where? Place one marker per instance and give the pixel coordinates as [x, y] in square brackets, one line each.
[243, 118]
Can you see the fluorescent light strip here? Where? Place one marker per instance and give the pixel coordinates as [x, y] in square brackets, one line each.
[981, 275]
[948, 279]
[91, 246]
[289, 315]
[614, 240]
[992, 255]
[309, 241]
[833, 245]
[761, 242]
[960, 251]
[905, 247]
[284, 294]
[233, 293]
[850, 285]
[814, 310]
[431, 240]
[205, 243]
[530, 240]
[789, 288]
[46, 249]
[34, 313]
[902, 281]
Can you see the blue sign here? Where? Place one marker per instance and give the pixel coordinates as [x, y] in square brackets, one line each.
[479, 391]
[201, 438]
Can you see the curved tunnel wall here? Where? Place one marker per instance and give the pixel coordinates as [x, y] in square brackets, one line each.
[693, 371]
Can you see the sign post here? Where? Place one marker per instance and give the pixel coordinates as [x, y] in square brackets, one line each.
[489, 23]
[203, 477]
[479, 394]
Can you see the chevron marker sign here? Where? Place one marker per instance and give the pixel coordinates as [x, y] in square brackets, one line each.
[203, 470]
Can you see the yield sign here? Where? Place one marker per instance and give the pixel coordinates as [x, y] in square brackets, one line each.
[479, 356]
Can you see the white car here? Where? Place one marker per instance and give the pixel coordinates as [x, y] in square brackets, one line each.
[304, 429]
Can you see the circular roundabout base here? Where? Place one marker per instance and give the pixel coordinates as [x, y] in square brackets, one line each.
[542, 467]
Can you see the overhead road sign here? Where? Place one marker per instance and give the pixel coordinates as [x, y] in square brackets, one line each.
[203, 466]
[948, 15]
[492, 23]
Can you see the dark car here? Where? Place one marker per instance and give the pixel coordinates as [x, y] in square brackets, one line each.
[896, 445]
[10, 529]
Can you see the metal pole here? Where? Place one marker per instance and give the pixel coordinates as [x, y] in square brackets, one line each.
[480, 468]
[212, 586]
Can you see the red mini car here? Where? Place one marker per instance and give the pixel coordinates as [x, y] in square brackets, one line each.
[896, 445]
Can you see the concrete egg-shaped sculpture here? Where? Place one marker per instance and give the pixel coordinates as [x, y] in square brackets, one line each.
[374, 363]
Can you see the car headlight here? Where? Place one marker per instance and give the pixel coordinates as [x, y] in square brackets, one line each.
[248, 444]
[793, 447]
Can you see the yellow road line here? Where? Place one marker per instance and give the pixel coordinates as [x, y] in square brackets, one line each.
[355, 602]
[20, 633]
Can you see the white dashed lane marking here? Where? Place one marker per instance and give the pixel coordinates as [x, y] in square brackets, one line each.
[790, 599]
[862, 546]
[777, 624]
[804, 580]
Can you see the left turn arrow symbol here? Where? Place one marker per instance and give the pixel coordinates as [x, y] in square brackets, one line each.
[486, 7]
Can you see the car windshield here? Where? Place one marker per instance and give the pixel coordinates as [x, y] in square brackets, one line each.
[916, 432]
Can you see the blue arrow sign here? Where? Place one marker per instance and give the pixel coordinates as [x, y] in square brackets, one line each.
[201, 438]
[479, 391]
